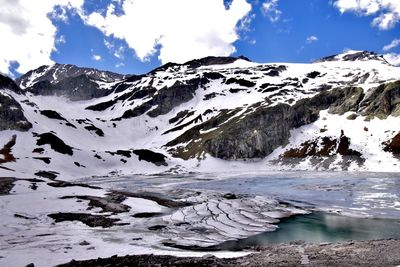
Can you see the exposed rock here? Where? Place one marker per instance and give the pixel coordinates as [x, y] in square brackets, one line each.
[392, 145]
[7, 83]
[257, 134]
[111, 203]
[55, 143]
[150, 156]
[68, 80]
[11, 113]
[46, 160]
[92, 128]
[88, 219]
[51, 114]
[354, 56]
[208, 61]
[6, 151]
[147, 214]
[6, 184]
[124, 153]
[47, 174]
[213, 75]
[181, 115]
[167, 98]
[161, 200]
[313, 74]
[382, 101]
[241, 82]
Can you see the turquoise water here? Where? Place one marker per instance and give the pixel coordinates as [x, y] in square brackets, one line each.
[322, 227]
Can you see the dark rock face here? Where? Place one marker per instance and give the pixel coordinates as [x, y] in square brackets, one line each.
[55, 143]
[75, 88]
[324, 147]
[196, 63]
[382, 101]
[258, 133]
[6, 184]
[207, 61]
[6, 151]
[7, 83]
[65, 71]
[150, 156]
[241, 82]
[11, 113]
[256, 137]
[88, 219]
[47, 174]
[68, 80]
[393, 145]
[167, 98]
[360, 55]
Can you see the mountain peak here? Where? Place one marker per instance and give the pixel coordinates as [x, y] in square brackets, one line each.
[353, 55]
[200, 62]
[58, 72]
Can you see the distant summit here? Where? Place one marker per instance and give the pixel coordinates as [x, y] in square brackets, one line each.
[201, 62]
[353, 55]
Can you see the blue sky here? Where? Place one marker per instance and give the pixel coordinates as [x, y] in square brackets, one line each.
[125, 37]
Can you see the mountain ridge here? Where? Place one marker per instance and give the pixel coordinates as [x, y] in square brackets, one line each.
[205, 115]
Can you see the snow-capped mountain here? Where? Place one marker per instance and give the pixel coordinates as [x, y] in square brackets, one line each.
[211, 114]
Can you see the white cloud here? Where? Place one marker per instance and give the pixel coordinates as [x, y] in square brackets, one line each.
[96, 57]
[393, 58]
[118, 52]
[180, 29]
[119, 65]
[311, 39]
[27, 32]
[270, 9]
[387, 12]
[393, 44]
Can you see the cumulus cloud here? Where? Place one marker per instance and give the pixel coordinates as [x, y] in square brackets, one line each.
[311, 39]
[395, 43]
[271, 11]
[386, 12]
[27, 32]
[393, 58]
[179, 30]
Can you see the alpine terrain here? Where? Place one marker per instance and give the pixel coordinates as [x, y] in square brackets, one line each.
[211, 114]
[182, 160]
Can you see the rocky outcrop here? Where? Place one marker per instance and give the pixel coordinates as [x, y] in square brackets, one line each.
[75, 88]
[322, 152]
[11, 113]
[67, 80]
[55, 143]
[167, 98]
[382, 101]
[59, 72]
[393, 145]
[5, 152]
[353, 56]
[7, 83]
[257, 133]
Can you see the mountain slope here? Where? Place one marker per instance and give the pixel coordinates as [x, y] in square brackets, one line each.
[211, 114]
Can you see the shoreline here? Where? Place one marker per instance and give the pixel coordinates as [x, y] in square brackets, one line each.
[382, 252]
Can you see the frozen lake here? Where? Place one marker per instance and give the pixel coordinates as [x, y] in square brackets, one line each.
[355, 194]
[193, 213]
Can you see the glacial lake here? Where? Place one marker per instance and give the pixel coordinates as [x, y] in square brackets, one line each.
[346, 206]
[319, 228]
